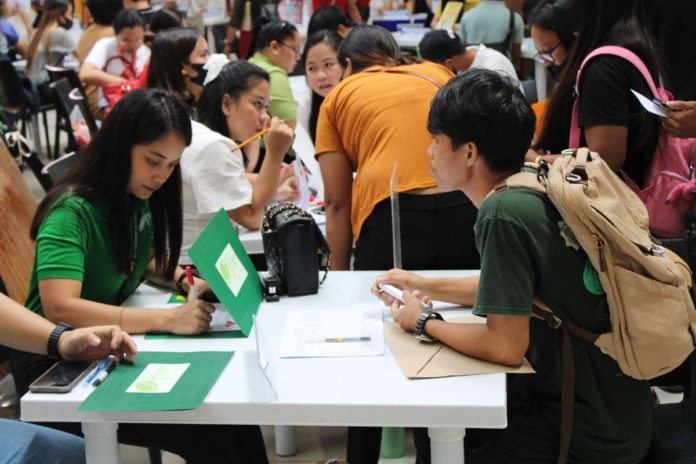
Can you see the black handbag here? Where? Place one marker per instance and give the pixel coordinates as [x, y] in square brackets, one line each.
[296, 250]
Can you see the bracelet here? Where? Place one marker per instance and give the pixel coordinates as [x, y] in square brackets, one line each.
[537, 159]
[120, 317]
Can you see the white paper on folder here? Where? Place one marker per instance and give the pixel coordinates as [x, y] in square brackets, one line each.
[649, 105]
[304, 149]
[333, 333]
[302, 184]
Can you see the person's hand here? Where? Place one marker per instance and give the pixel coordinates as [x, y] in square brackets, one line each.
[286, 171]
[94, 343]
[203, 290]
[278, 139]
[192, 317]
[399, 278]
[287, 191]
[407, 314]
[682, 121]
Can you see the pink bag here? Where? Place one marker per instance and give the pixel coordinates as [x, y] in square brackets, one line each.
[670, 183]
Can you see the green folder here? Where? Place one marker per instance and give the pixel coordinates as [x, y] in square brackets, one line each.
[201, 370]
[223, 262]
[210, 335]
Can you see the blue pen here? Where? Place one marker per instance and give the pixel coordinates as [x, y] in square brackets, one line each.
[100, 367]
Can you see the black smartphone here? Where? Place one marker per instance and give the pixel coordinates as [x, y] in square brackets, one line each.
[62, 377]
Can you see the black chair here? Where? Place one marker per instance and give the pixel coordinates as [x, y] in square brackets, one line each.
[530, 91]
[56, 169]
[56, 73]
[14, 101]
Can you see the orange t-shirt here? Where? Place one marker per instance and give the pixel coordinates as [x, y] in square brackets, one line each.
[376, 118]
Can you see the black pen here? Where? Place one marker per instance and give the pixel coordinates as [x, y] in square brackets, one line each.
[102, 375]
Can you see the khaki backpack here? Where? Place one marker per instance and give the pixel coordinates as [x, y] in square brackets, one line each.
[652, 315]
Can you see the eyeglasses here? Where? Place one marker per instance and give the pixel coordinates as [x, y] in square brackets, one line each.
[547, 56]
[294, 48]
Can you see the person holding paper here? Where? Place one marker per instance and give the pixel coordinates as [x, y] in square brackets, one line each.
[481, 127]
[233, 108]
[681, 119]
[114, 219]
[23, 330]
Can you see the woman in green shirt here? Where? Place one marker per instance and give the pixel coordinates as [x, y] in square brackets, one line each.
[114, 219]
[276, 50]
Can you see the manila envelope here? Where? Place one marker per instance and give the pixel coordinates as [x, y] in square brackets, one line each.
[419, 360]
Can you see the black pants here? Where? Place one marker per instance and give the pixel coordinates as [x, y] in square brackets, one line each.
[195, 443]
[437, 232]
[528, 438]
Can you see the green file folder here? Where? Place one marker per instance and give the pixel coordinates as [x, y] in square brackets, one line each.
[223, 262]
[201, 372]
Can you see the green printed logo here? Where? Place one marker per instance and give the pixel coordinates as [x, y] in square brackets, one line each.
[591, 279]
[146, 386]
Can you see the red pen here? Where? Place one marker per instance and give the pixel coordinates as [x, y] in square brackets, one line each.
[189, 277]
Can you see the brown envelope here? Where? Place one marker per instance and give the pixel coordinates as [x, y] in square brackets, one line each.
[419, 360]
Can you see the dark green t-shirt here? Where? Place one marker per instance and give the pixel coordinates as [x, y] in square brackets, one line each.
[526, 249]
[75, 241]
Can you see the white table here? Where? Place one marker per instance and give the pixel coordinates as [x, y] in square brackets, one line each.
[330, 392]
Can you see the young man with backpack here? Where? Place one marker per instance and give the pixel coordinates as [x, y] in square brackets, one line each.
[482, 126]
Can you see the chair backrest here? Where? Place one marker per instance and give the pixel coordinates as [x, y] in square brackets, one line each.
[55, 74]
[57, 168]
[17, 208]
[530, 91]
[11, 95]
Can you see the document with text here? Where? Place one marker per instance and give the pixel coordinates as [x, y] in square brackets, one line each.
[333, 333]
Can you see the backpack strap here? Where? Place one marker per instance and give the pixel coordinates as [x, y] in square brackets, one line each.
[628, 55]
[545, 313]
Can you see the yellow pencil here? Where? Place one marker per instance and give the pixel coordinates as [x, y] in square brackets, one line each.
[253, 137]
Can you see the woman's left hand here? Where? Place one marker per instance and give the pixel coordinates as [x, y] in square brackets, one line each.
[407, 314]
[288, 190]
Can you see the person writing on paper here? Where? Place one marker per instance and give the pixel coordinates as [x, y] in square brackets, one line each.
[24, 330]
[232, 108]
[114, 219]
[481, 126]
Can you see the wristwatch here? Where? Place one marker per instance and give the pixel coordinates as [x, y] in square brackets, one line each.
[419, 331]
[52, 347]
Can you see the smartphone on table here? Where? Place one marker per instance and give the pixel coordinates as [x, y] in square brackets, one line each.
[62, 377]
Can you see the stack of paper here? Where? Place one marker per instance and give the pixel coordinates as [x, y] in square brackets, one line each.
[333, 333]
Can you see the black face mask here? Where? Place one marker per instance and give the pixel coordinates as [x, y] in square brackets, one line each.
[67, 24]
[555, 70]
[200, 73]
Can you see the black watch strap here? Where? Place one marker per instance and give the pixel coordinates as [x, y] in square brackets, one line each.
[419, 331]
[52, 347]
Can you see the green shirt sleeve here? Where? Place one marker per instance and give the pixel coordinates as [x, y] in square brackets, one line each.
[283, 104]
[61, 243]
[506, 285]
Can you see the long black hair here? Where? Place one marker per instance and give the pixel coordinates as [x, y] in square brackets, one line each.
[333, 40]
[547, 15]
[367, 46]
[234, 79]
[103, 169]
[170, 50]
[601, 22]
[327, 18]
[267, 30]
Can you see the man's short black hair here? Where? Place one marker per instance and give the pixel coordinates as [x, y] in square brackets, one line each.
[127, 18]
[486, 108]
[104, 11]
